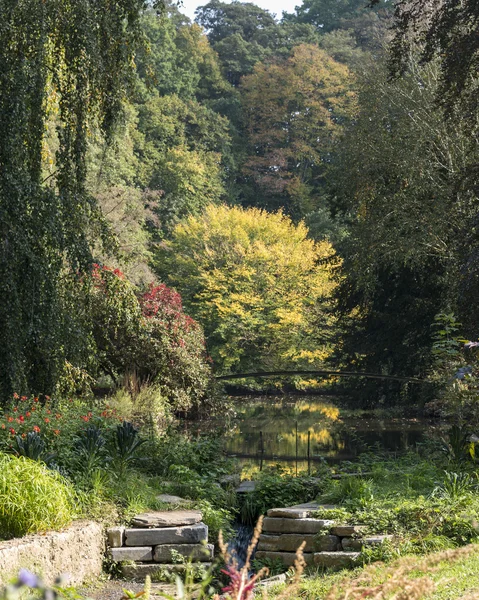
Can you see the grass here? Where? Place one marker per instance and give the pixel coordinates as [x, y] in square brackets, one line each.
[32, 498]
[447, 575]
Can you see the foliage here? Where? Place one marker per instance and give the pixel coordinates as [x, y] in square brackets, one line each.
[149, 337]
[294, 111]
[32, 497]
[274, 489]
[256, 283]
[73, 60]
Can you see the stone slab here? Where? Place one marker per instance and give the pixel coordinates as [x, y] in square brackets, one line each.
[140, 570]
[197, 552]
[287, 542]
[287, 558]
[167, 518]
[170, 499]
[336, 559]
[348, 530]
[289, 513]
[351, 544]
[327, 543]
[190, 534]
[282, 525]
[140, 553]
[245, 487]
[115, 536]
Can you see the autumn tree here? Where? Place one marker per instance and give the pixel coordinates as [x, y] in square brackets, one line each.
[258, 285]
[294, 111]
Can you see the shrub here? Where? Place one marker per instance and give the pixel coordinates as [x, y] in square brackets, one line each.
[32, 497]
[148, 338]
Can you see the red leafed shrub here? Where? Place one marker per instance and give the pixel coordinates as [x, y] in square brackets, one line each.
[148, 335]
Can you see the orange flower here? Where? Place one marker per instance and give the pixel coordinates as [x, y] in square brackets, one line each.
[3, 425]
[47, 420]
[24, 435]
[56, 431]
[36, 429]
[16, 396]
[35, 399]
[49, 412]
[86, 419]
[23, 398]
[47, 397]
[58, 416]
[15, 408]
[28, 414]
[10, 419]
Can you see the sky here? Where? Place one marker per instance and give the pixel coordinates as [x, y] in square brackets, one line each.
[275, 6]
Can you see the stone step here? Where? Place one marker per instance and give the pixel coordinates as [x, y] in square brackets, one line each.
[290, 542]
[115, 536]
[167, 518]
[139, 571]
[348, 530]
[287, 558]
[196, 552]
[173, 500]
[336, 559]
[286, 525]
[190, 534]
[139, 553]
[357, 543]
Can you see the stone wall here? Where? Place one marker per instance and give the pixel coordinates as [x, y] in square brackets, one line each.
[327, 543]
[78, 552]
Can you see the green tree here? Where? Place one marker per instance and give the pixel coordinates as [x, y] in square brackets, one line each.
[257, 284]
[75, 58]
[294, 111]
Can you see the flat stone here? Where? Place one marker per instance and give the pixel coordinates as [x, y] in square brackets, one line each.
[169, 499]
[115, 536]
[282, 525]
[289, 513]
[190, 534]
[287, 558]
[197, 552]
[140, 570]
[140, 553]
[246, 486]
[347, 530]
[336, 559]
[327, 543]
[287, 542]
[377, 540]
[167, 518]
[351, 544]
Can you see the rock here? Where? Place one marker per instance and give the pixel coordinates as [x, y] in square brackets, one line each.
[227, 481]
[351, 544]
[287, 558]
[336, 559]
[326, 543]
[115, 536]
[167, 535]
[283, 525]
[139, 571]
[376, 540]
[197, 552]
[288, 542]
[289, 513]
[347, 530]
[169, 499]
[246, 486]
[167, 518]
[140, 553]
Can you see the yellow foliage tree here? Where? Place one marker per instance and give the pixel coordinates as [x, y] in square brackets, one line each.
[259, 286]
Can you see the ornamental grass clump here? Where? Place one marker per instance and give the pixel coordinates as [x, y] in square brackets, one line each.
[33, 498]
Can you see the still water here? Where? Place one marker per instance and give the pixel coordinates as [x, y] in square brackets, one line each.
[271, 430]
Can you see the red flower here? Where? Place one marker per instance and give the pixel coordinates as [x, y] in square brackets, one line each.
[15, 408]
[24, 435]
[86, 419]
[21, 419]
[35, 399]
[23, 398]
[12, 431]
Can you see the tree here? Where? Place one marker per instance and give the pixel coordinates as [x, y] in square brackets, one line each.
[74, 58]
[405, 254]
[258, 285]
[445, 30]
[181, 155]
[294, 111]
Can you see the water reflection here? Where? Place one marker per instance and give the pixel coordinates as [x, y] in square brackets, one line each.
[270, 429]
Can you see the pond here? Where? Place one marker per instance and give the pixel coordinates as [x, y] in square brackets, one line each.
[272, 430]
